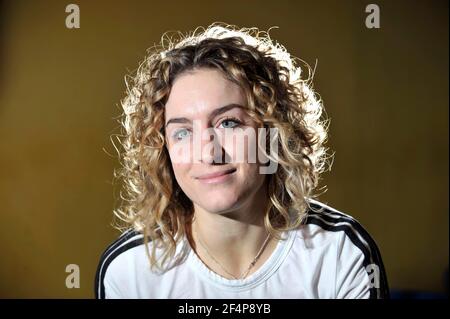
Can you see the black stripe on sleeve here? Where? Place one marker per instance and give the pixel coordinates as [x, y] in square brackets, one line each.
[111, 252]
[371, 252]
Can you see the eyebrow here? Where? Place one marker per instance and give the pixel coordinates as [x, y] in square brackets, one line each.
[213, 114]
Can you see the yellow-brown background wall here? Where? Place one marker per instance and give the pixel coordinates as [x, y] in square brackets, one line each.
[385, 90]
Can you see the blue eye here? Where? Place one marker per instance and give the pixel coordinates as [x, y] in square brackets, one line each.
[230, 123]
[181, 134]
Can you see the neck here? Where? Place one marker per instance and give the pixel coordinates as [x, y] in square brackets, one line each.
[233, 239]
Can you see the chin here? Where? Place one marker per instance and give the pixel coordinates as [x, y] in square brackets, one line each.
[219, 207]
[218, 204]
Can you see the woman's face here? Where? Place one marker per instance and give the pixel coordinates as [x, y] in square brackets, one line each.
[212, 141]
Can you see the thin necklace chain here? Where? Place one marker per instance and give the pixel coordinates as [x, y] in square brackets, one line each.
[244, 274]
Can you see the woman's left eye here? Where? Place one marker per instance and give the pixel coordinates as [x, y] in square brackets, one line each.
[230, 123]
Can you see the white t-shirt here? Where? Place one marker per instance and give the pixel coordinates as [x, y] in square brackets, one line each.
[330, 256]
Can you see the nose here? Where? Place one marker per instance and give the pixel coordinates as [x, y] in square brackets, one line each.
[212, 150]
[208, 148]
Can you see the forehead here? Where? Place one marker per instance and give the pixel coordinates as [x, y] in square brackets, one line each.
[201, 91]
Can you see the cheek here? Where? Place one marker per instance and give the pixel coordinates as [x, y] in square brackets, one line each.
[249, 173]
[181, 172]
[180, 153]
[241, 145]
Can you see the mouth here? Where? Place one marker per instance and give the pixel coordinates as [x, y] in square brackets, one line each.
[216, 177]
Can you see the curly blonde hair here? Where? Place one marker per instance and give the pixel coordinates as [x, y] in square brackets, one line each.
[278, 96]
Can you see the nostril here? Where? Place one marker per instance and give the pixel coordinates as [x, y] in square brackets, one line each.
[212, 155]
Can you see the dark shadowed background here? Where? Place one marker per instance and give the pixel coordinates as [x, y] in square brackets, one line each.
[385, 91]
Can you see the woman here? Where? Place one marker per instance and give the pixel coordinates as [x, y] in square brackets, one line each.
[206, 217]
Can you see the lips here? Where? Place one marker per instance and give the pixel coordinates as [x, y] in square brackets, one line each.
[216, 174]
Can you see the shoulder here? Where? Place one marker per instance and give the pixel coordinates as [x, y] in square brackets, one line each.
[357, 251]
[118, 253]
[327, 219]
